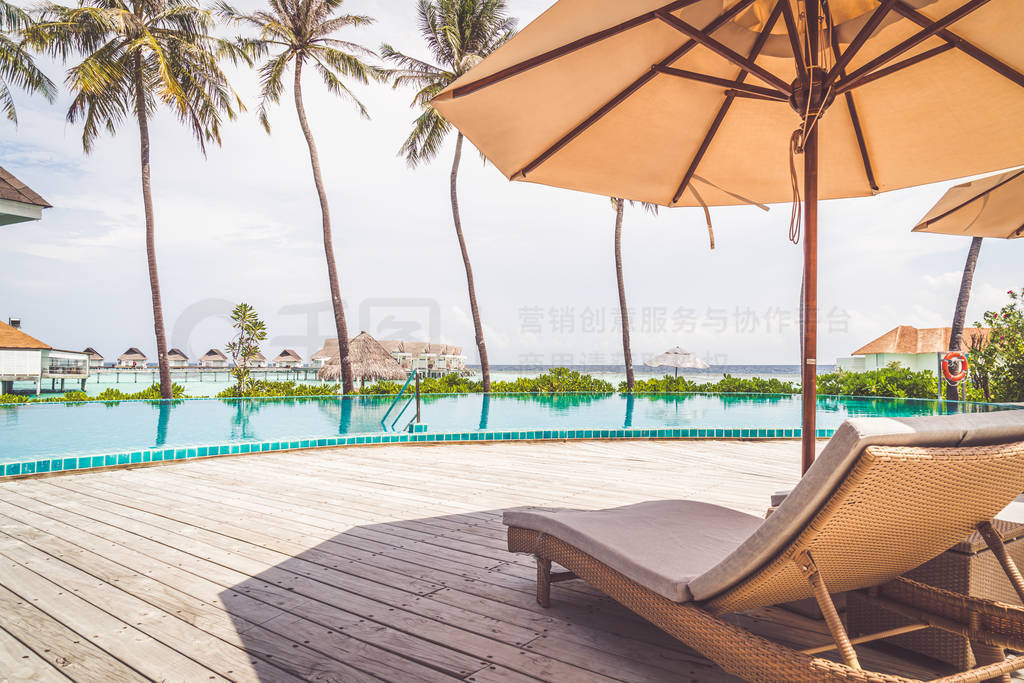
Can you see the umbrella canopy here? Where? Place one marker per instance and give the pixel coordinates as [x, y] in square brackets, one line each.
[370, 361]
[677, 358]
[988, 207]
[708, 102]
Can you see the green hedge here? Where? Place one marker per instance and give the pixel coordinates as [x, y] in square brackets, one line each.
[262, 389]
[556, 381]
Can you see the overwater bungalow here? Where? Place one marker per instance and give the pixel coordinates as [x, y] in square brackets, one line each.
[24, 358]
[288, 358]
[258, 361]
[132, 358]
[95, 359]
[214, 358]
[176, 358]
[911, 347]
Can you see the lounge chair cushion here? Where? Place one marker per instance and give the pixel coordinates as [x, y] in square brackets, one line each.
[831, 467]
[662, 545]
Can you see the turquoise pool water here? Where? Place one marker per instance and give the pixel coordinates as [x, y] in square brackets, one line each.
[33, 432]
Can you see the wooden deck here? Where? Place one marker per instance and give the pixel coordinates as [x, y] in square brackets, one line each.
[350, 565]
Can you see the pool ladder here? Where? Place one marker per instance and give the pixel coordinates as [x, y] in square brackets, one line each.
[415, 375]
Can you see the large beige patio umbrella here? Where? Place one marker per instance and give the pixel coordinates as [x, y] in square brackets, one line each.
[987, 207]
[702, 101]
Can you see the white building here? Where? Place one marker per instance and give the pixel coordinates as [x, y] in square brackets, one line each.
[913, 348]
[214, 358]
[26, 359]
[176, 358]
[287, 359]
[132, 358]
[258, 361]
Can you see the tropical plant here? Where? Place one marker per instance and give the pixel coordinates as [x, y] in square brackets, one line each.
[17, 67]
[244, 347]
[136, 55]
[1000, 361]
[459, 34]
[627, 353]
[894, 380]
[960, 313]
[297, 33]
[109, 395]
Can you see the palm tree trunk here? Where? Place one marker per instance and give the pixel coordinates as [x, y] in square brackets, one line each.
[960, 315]
[166, 388]
[484, 366]
[627, 353]
[332, 268]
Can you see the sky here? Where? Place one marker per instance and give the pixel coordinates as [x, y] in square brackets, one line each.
[243, 224]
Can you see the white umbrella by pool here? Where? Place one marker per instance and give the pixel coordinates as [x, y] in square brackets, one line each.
[677, 358]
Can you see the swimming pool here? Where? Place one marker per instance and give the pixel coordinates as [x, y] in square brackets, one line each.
[100, 434]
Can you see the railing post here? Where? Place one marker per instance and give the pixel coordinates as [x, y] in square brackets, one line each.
[417, 398]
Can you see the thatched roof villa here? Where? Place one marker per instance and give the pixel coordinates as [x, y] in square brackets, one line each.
[176, 358]
[95, 359]
[287, 359]
[214, 358]
[132, 358]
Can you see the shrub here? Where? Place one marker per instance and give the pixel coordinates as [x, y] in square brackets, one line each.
[110, 395]
[263, 389]
[727, 385]
[893, 380]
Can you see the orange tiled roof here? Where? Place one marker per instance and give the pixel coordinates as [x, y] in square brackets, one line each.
[908, 339]
[11, 338]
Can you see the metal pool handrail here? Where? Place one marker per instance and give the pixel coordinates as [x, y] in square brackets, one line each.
[383, 420]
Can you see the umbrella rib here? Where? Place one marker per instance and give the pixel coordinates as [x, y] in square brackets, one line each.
[855, 121]
[608, 106]
[740, 86]
[794, 41]
[723, 51]
[858, 41]
[568, 48]
[848, 85]
[963, 45]
[919, 37]
[727, 104]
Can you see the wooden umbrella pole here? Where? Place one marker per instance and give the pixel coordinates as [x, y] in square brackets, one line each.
[809, 362]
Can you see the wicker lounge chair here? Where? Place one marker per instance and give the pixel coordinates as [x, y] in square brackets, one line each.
[884, 496]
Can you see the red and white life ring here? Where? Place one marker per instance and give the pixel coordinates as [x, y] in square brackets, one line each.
[959, 360]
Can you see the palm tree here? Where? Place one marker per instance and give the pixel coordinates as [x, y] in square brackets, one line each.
[459, 34]
[960, 314]
[137, 54]
[627, 352]
[299, 32]
[16, 65]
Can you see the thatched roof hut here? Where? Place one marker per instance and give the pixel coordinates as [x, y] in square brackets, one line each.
[93, 354]
[370, 361]
[132, 355]
[178, 355]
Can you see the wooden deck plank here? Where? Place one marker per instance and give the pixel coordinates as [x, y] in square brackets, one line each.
[347, 564]
[23, 664]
